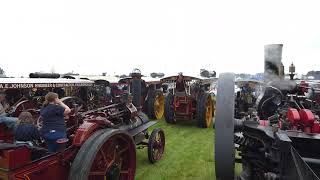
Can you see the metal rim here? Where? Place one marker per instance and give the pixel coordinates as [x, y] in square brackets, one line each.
[156, 145]
[112, 159]
[69, 101]
[224, 128]
[213, 107]
[23, 106]
[208, 115]
[159, 105]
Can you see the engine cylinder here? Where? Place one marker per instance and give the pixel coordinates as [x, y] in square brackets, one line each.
[293, 116]
[307, 117]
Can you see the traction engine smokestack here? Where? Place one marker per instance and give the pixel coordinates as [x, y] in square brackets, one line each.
[273, 67]
[136, 89]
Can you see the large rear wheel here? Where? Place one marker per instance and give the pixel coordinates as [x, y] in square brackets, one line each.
[204, 110]
[224, 128]
[107, 154]
[168, 109]
[155, 104]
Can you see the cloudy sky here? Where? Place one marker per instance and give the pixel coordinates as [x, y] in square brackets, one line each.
[90, 37]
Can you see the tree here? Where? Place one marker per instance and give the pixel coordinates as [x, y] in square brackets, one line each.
[2, 72]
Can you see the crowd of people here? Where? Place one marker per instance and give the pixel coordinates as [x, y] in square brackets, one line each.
[52, 115]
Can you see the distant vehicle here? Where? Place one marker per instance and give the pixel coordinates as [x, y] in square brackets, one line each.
[190, 98]
[152, 95]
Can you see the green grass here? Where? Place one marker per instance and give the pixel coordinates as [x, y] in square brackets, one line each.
[189, 154]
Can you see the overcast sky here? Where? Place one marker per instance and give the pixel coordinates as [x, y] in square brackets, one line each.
[91, 37]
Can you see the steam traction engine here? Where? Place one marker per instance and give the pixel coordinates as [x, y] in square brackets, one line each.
[152, 94]
[279, 140]
[189, 99]
[101, 147]
[283, 146]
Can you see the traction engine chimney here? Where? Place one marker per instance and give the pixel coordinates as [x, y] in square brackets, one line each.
[273, 67]
[136, 88]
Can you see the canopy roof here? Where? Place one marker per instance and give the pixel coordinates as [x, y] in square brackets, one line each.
[241, 83]
[202, 80]
[25, 83]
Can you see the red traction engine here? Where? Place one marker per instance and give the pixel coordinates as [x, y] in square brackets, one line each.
[102, 147]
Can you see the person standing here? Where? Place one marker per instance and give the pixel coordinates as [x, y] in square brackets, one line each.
[52, 115]
[180, 83]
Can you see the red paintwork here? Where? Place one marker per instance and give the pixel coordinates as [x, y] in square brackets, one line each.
[307, 117]
[293, 116]
[316, 127]
[84, 132]
[51, 167]
[263, 122]
[16, 163]
[183, 106]
[307, 129]
[303, 120]
[13, 158]
[5, 134]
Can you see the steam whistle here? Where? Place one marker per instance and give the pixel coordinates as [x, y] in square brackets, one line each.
[292, 70]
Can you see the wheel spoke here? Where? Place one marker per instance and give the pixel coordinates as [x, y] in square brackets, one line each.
[103, 155]
[112, 155]
[123, 150]
[97, 173]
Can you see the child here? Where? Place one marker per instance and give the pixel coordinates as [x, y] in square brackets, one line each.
[25, 129]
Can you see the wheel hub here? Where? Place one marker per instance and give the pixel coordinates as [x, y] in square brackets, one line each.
[113, 172]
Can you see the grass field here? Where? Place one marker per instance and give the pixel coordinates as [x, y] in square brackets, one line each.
[188, 154]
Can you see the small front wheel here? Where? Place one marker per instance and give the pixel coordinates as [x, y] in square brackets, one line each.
[156, 145]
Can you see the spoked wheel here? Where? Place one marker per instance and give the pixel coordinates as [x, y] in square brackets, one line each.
[23, 105]
[76, 104]
[156, 105]
[224, 128]
[156, 145]
[107, 154]
[204, 110]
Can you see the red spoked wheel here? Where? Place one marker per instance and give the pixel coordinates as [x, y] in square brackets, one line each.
[156, 145]
[24, 105]
[107, 154]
